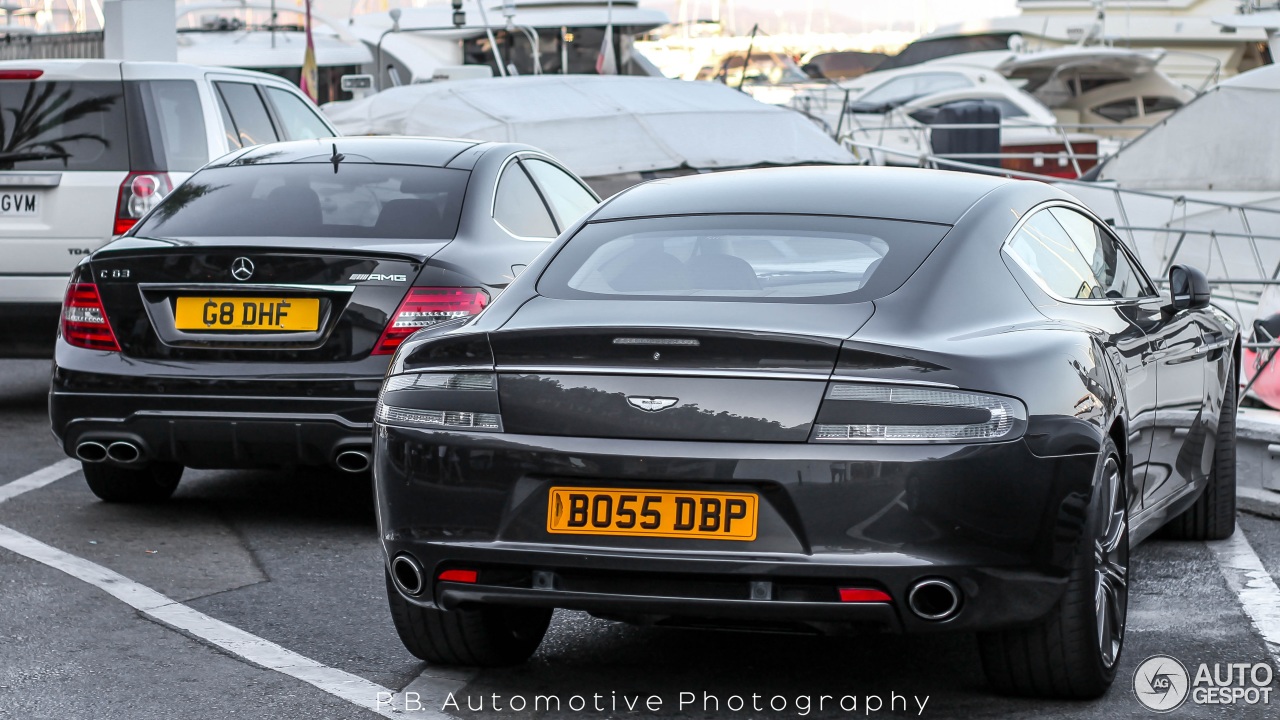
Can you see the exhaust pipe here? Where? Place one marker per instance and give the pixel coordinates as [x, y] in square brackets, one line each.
[352, 461]
[934, 599]
[407, 574]
[124, 452]
[91, 452]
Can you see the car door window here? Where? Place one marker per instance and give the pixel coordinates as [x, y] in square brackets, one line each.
[519, 208]
[1044, 249]
[299, 120]
[569, 200]
[248, 115]
[1115, 272]
[231, 135]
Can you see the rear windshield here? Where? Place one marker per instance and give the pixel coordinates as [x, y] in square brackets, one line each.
[780, 258]
[63, 126]
[309, 199]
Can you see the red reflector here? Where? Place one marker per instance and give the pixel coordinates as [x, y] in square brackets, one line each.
[123, 225]
[864, 595]
[424, 307]
[84, 320]
[462, 576]
[20, 74]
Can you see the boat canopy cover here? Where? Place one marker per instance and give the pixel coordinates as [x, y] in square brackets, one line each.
[599, 125]
[1222, 140]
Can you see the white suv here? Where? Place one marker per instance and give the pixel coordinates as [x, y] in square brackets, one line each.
[89, 146]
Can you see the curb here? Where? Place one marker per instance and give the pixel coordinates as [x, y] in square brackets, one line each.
[1257, 501]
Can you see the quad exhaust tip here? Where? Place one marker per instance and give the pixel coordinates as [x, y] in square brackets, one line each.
[407, 574]
[124, 452]
[934, 599]
[91, 452]
[353, 461]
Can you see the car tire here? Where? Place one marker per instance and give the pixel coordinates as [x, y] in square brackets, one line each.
[149, 483]
[484, 636]
[1213, 516]
[1074, 651]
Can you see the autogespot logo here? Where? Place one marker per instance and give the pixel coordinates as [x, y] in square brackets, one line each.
[1161, 683]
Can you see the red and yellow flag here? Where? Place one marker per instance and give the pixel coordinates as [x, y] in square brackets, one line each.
[310, 82]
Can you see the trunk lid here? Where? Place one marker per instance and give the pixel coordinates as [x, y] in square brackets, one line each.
[292, 299]
[671, 370]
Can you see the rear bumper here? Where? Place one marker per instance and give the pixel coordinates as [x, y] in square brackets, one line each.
[29, 329]
[215, 415]
[999, 522]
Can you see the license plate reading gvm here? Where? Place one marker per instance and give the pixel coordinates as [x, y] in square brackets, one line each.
[19, 204]
[247, 313]
[652, 513]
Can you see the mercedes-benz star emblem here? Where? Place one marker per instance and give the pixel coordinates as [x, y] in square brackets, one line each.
[242, 268]
[652, 404]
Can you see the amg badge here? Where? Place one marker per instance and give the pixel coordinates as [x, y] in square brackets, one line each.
[651, 404]
[375, 276]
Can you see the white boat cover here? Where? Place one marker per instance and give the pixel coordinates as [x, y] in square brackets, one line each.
[1223, 140]
[600, 125]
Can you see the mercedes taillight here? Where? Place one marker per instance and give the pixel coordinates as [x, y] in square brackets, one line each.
[424, 307]
[84, 320]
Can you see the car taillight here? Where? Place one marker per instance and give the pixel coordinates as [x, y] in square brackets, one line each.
[442, 401]
[139, 192]
[894, 413]
[424, 307]
[20, 74]
[84, 321]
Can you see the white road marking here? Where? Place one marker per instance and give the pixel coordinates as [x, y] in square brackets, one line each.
[38, 479]
[425, 694]
[1252, 584]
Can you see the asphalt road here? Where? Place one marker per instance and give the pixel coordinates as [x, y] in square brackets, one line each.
[293, 560]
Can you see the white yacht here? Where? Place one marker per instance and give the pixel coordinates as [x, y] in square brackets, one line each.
[510, 37]
[265, 37]
[1198, 50]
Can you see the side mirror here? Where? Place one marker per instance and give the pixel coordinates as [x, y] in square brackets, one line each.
[1188, 287]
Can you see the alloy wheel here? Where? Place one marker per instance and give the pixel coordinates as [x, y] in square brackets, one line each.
[1111, 565]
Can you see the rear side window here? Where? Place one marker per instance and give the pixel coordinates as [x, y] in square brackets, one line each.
[568, 198]
[308, 199]
[299, 120]
[781, 258]
[166, 128]
[519, 208]
[248, 115]
[1115, 274]
[57, 125]
[1045, 249]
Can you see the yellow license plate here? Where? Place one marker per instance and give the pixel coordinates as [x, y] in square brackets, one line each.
[652, 513]
[247, 313]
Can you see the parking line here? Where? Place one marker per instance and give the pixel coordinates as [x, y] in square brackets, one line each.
[258, 651]
[38, 479]
[1252, 584]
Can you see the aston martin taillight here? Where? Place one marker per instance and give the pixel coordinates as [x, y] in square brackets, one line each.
[892, 413]
[84, 320]
[424, 307]
[139, 192]
[442, 401]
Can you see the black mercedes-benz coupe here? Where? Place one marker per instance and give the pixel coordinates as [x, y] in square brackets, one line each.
[249, 319]
[813, 399]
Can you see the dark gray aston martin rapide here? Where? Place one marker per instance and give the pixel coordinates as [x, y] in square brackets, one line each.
[811, 399]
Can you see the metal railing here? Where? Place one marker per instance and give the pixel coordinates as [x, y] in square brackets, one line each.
[1069, 134]
[51, 46]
